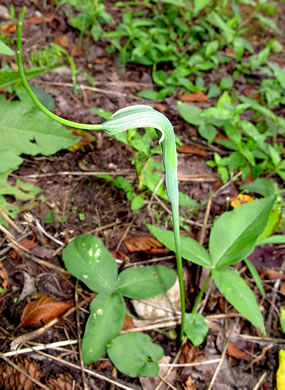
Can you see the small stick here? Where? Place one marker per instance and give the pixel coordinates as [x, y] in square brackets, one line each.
[55, 346]
[259, 357]
[222, 358]
[261, 379]
[106, 91]
[31, 219]
[77, 173]
[89, 372]
[10, 221]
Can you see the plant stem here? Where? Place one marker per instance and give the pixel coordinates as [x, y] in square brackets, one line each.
[31, 93]
[175, 213]
[198, 299]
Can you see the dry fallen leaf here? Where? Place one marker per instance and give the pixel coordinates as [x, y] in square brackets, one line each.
[189, 384]
[128, 323]
[271, 274]
[62, 41]
[3, 278]
[236, 353]
[188, 149]
[144, 243]
[43, 310]
[194, 97]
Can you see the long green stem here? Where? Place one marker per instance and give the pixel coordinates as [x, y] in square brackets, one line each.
[198, 299]
[30, 92]
[175, 213]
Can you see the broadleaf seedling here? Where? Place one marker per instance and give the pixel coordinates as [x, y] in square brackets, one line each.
[87, 259]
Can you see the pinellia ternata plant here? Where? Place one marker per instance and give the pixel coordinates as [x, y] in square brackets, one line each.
[123, 120]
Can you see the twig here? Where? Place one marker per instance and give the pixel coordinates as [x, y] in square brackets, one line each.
[56, 346]
[170, 368]
[167, 383]
[222, 357]
[205, 222]
[10, 221]
[23, 372]
[213, 361]
[261, 379]
[260, 356]
[89, 372]
[76, 173]
[126, 232]
[14, 244]
[106, 91]
[32, 220]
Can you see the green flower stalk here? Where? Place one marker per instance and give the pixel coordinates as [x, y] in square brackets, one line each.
[123, 120]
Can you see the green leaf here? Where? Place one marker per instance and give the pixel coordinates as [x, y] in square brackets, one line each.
[262, 186]
[255, 275]
[208, 132]
[234, 234]
[137, 203]
[9, 77]
[190, 113]
[199, 5]
[196, 328]
[96, 32]
[226, 83]
[190, 249]
[216, 20]
[148, 94]
[25, 129]
[88, 260]
[145, 282]
[185, 200]
[102, 113]
[45, 98]
[4, 49]
[216, 113]
[282, 320]
[107, 314]
[134, 354]
[267, 22]
[276, 239]
[237, 292]
[279, 73]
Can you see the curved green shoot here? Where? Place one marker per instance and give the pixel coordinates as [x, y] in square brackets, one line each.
[123, 120]
[30, 92]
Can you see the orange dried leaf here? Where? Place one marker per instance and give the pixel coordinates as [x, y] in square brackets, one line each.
[128, 323]
[236, 353]
[271, 274]
[188, 149]
[43, 310]
[62, 41]
[3, 277]
[145, 243]
[241, 199]
[194, 97]
[189, 384]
